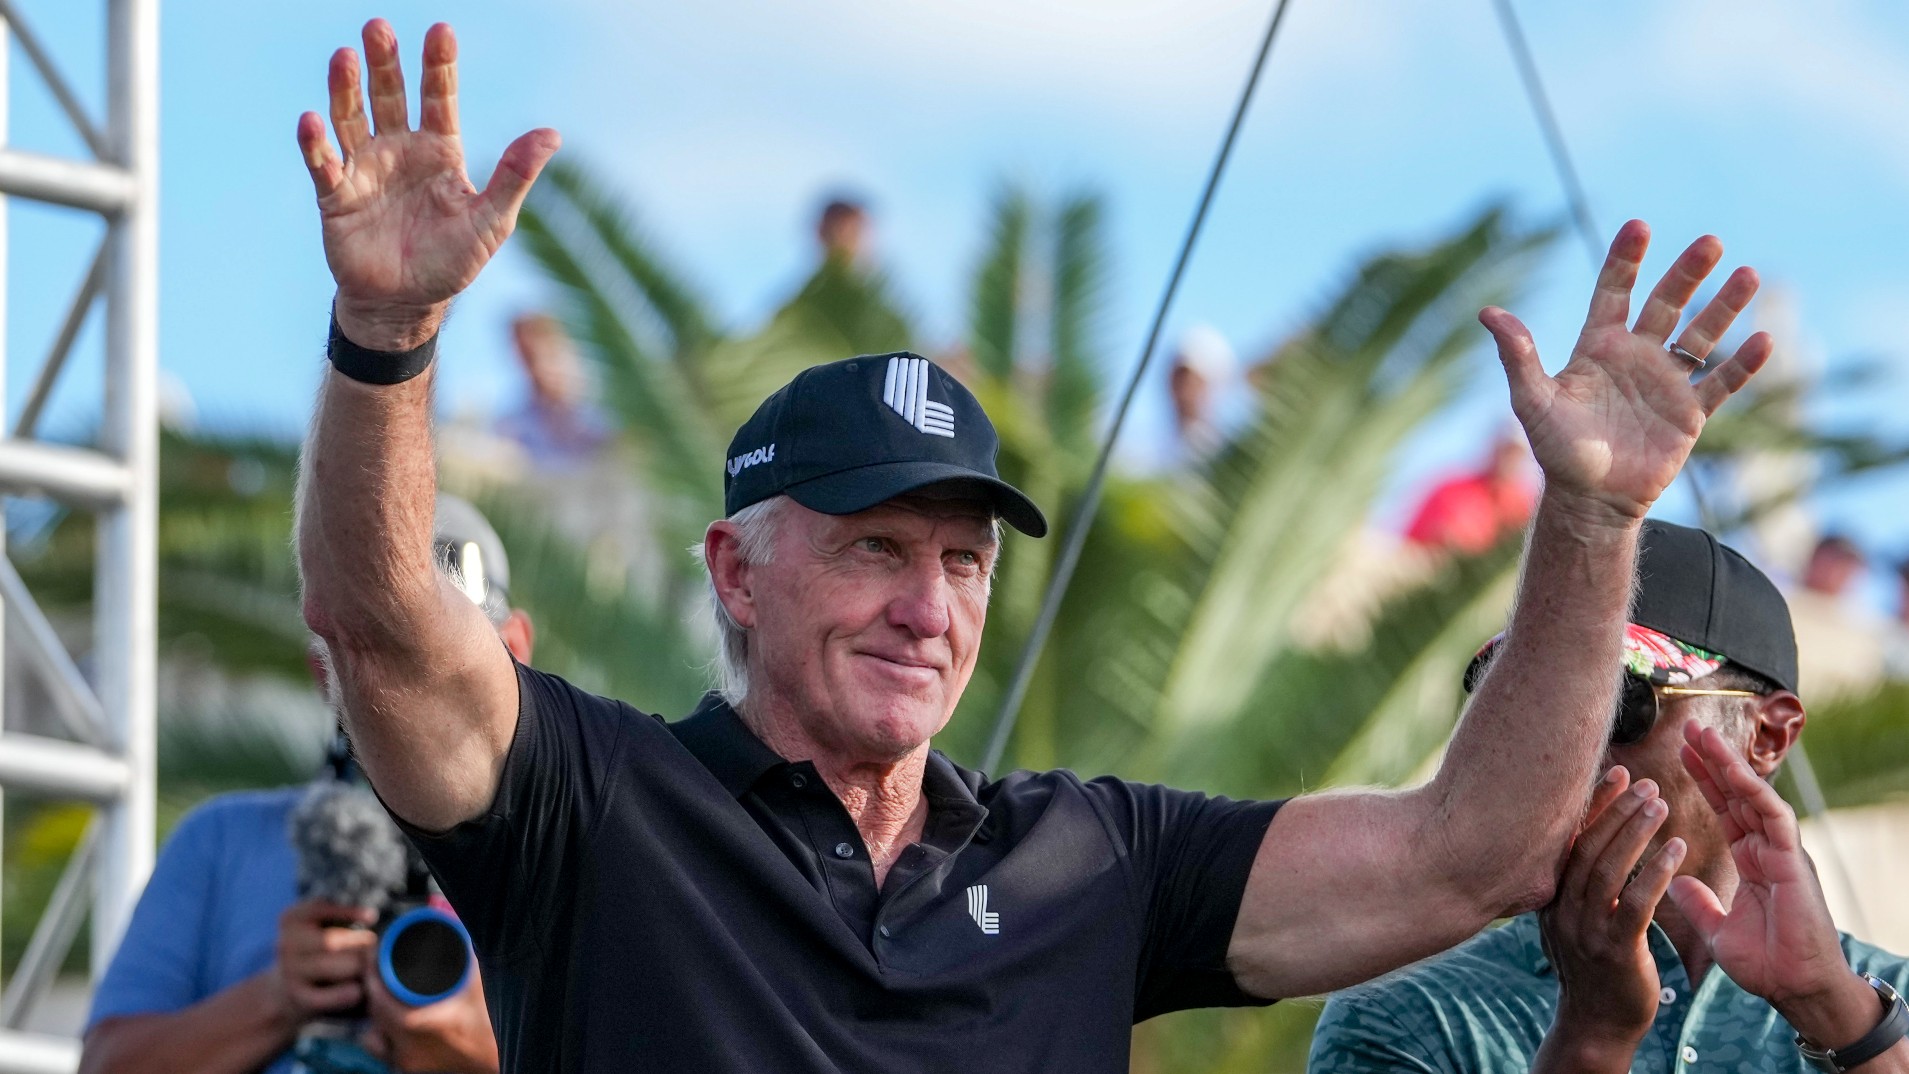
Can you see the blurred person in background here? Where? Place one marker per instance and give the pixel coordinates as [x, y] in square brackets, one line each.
[1740, 960]
[1203, 369]
[847, 293]
[791, 878]
[842, 230]
[223, 963]
[1472, 512]
[1834, 566]
[558, 427]
[1842, 643]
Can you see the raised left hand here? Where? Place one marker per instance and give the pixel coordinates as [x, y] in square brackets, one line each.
[1776, 940]
[1617, 422]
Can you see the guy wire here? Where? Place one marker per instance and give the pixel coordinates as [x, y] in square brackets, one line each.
[1090, 497]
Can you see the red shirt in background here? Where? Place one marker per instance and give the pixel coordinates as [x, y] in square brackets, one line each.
[1471, 513]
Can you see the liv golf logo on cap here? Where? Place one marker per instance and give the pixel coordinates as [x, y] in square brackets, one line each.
[906, 393]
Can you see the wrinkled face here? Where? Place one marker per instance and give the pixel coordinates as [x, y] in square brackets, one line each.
[866, 626]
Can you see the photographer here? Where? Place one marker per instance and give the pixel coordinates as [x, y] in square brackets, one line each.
[223, 963]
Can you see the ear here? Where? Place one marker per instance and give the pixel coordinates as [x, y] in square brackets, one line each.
[722, 554]
[1776, 722]
[519, 634]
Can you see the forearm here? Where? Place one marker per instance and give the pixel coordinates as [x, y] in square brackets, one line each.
[366, 497]
[1519, 768]
[237, 1031]
[1563, 1053]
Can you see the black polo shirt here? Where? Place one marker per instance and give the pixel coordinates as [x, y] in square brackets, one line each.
[676, 897]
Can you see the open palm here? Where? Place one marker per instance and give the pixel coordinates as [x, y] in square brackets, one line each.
[1618, 421]
[1776, 939]
[404, 229]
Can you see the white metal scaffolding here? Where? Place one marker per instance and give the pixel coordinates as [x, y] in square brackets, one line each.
[107, 755]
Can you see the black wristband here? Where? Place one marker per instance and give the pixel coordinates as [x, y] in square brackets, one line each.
[378, 367]
[1893, 1027]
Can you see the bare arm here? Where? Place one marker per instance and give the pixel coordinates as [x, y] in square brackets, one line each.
[428, 691]
[1350, 885]
[242, 1029]
[238, 1031]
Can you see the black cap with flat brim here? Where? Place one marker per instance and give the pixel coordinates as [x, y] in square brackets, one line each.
[849, 435]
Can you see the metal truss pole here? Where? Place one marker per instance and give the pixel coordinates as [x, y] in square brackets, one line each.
[108, 758]
[125, 601]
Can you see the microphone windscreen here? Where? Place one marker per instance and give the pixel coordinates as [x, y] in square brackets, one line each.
[349, 851]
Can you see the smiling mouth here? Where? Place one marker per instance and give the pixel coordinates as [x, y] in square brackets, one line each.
[910, 665]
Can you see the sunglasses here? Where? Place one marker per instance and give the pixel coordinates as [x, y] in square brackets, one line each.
[1637, 705]
[464, 562]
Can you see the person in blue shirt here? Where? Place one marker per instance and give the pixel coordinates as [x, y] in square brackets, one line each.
[223, 963]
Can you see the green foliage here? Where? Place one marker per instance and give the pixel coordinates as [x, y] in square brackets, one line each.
[1859, 746]
[1180, 652]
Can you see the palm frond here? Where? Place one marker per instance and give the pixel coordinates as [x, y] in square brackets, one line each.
[994, 321]
[1073, 393]
[1337, 401]
[678, 311]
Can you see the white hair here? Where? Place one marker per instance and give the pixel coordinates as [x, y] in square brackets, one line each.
[756, 528]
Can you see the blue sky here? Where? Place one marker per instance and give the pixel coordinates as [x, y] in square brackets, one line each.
[1783, 128]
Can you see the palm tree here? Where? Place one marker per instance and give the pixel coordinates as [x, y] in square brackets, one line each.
[1181, 652]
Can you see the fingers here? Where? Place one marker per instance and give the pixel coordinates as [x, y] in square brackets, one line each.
[1641, 896]
[323, 999]
[389, 111]
[1611, 300]
[1530, 387]
[1582, 872]
[1698, 904]
[1610, 870]
[1724, 381]
[437, 112]
[1615, 781]
[1703, 332]
[321, 912]
[327, 171]
[517, 169]
[347, 102]
[1752, 804]
[1672, 293]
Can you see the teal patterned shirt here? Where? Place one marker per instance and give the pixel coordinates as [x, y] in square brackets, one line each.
[1484, 1006]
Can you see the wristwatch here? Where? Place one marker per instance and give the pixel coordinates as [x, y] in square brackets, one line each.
[1893, 1027]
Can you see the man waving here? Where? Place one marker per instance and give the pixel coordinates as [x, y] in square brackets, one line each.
[791, 878]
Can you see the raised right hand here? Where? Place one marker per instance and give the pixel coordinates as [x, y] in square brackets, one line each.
[322, 959]
[404, 229]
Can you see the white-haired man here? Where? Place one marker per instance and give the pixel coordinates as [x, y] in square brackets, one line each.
[796, 881]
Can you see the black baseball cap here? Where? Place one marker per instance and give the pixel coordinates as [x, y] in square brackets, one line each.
[1699, 604]
[845, 436]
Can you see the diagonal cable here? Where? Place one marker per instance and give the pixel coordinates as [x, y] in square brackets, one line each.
[1798, 761]
[1090, 497]
[1553, 134]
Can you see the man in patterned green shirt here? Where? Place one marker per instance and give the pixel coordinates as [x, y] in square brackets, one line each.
[1741, 958]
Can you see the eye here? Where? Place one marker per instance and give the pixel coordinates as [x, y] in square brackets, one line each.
[874, 545]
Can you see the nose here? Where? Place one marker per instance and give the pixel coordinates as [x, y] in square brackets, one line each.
[921, 604]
